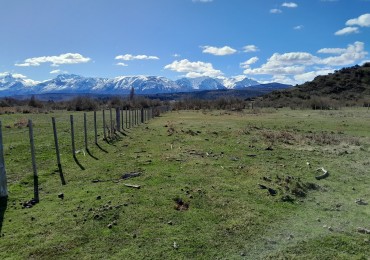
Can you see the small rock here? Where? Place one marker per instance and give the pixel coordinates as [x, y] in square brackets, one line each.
[175, 245]
[98, 197]
[330, 228]
[61, 195]
[109, 226]
[361, 202]
[242, 254]
[170, 223]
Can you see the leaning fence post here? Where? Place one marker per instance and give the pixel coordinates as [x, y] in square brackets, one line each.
[35, 177]
[57, 152]
[73, 137]
[3, 180]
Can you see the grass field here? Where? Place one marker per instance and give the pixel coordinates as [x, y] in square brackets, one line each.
[200, 194]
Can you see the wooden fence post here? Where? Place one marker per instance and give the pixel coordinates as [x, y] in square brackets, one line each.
[85, 131]
[73, 137]
[122, 119]
[104, 127]
[35, 177]
[126, 117]
[3, 180]
[111, 123]
[142, 115]
[95, 129]
[57, 151]
[130, 118]
[118, 119]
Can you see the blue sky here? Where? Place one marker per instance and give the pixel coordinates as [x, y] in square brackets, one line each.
[267, 40]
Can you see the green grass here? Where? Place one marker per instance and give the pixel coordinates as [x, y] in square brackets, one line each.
[213, 160]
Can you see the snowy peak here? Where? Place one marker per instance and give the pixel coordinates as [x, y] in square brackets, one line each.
[71, 83]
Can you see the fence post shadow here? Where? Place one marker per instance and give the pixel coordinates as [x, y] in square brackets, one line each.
[91, 155]
[3, 207]
[78, 163]
[101, 148]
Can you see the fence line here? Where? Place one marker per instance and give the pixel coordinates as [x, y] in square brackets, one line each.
[133, 117]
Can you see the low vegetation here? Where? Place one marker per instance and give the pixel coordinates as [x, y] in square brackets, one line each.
[205, 184]
[343, 88]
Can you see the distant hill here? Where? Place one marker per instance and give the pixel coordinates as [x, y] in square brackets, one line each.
[242, 93]
[346, 86]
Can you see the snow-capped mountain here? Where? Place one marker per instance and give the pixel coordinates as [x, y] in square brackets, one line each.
[70, 83]
[12, 85]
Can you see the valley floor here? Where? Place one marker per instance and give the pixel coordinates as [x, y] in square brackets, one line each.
[213, 185]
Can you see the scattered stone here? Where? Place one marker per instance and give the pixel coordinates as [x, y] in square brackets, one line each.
[170, 223]
[363, 230]
[287, 198]
[322, 176]
[110, 226]
[130, 175]
[330, 228]
[61, 195]
[32, 218]
[272, 191]
[98, 197]
[361, 202]
[175, 245]
[269, 148]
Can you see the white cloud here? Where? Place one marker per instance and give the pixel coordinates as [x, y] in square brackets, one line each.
[58, 72]
[332, 50]
[250, 48]
[362, 20]
[352, 54]
[248, 63]
[289, 5]
[347, 30]
[226, 50]
[176, 55]
[308, 76]
[194, 69]
[122, 64]
[303, 66]
[67, 58]
[298, 27]
[275, 11]
[128, 57]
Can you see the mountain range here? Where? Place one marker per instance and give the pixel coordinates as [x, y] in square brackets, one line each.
[11, 85]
